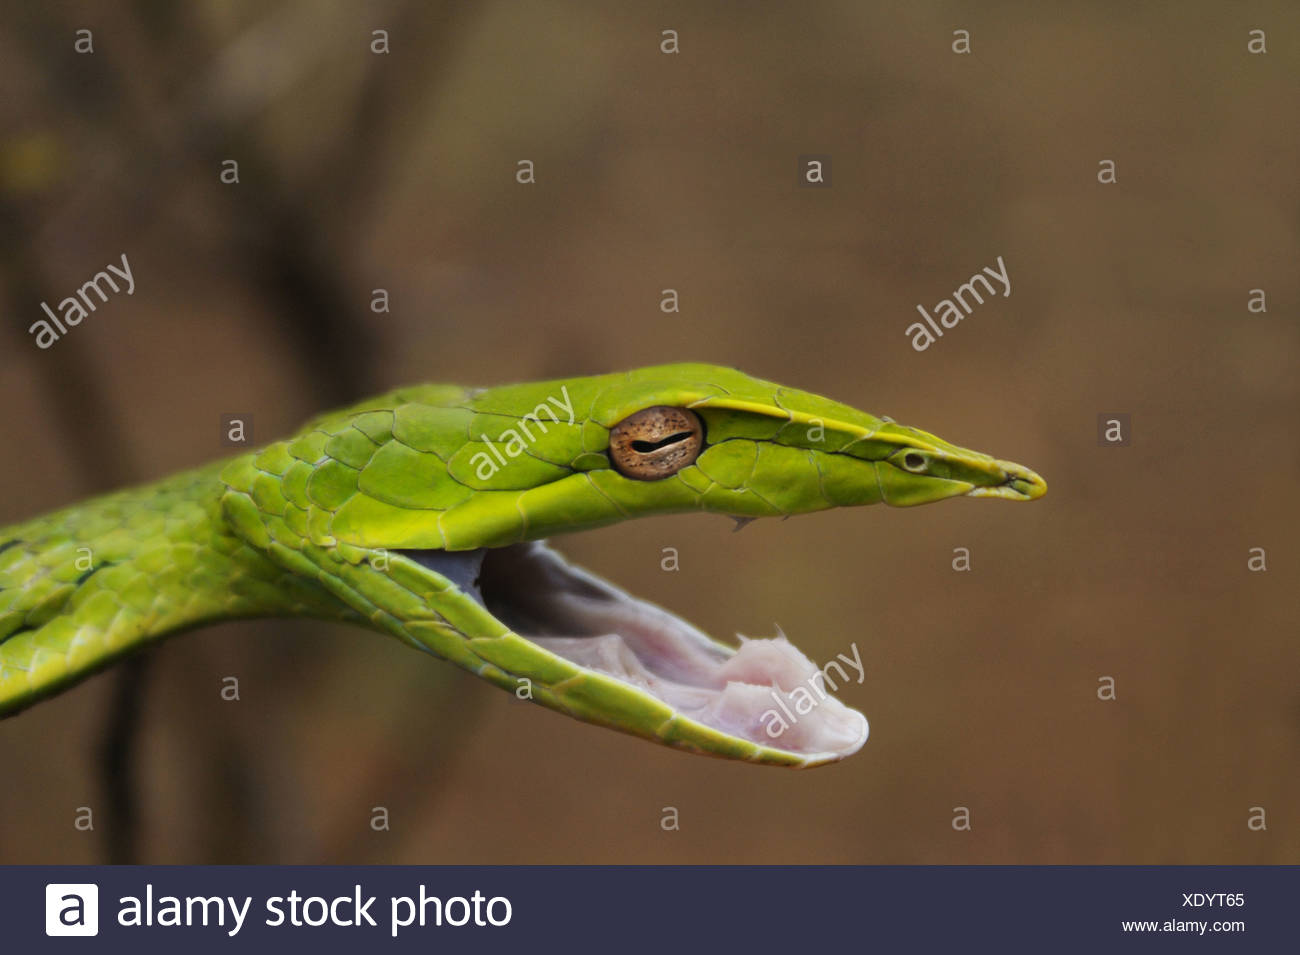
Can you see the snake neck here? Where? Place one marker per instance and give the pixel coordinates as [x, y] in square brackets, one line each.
[81, 587]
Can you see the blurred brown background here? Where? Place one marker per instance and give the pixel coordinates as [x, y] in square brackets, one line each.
[361, 171]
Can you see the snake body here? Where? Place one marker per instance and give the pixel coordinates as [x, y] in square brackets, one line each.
[422, 514]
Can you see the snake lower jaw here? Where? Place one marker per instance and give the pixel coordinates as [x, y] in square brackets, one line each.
[644, 670]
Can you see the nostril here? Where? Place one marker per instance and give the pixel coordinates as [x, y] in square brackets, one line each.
[913, 461]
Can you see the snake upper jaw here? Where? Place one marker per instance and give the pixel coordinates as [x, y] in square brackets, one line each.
[661, 677]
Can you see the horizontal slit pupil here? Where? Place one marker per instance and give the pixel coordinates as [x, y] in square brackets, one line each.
[645, 447]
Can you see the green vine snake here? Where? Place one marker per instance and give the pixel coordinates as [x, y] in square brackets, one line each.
[424, 513]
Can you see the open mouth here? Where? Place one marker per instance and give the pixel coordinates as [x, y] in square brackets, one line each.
[765, 691]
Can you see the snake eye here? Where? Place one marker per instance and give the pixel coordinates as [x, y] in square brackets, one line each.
[914, 462]
[656, 442]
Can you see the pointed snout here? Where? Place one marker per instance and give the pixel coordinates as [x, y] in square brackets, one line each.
[1017, 483]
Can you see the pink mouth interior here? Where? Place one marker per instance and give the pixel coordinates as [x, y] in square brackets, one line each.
[766, 691]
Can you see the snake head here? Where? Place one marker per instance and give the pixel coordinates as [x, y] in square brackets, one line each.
[460, 488]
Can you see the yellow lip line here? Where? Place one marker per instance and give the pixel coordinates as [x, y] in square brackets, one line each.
[856, 431]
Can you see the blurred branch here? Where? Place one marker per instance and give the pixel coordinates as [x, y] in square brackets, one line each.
[424, 39]
[289, 243]
[82, 410]
[117, 758]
